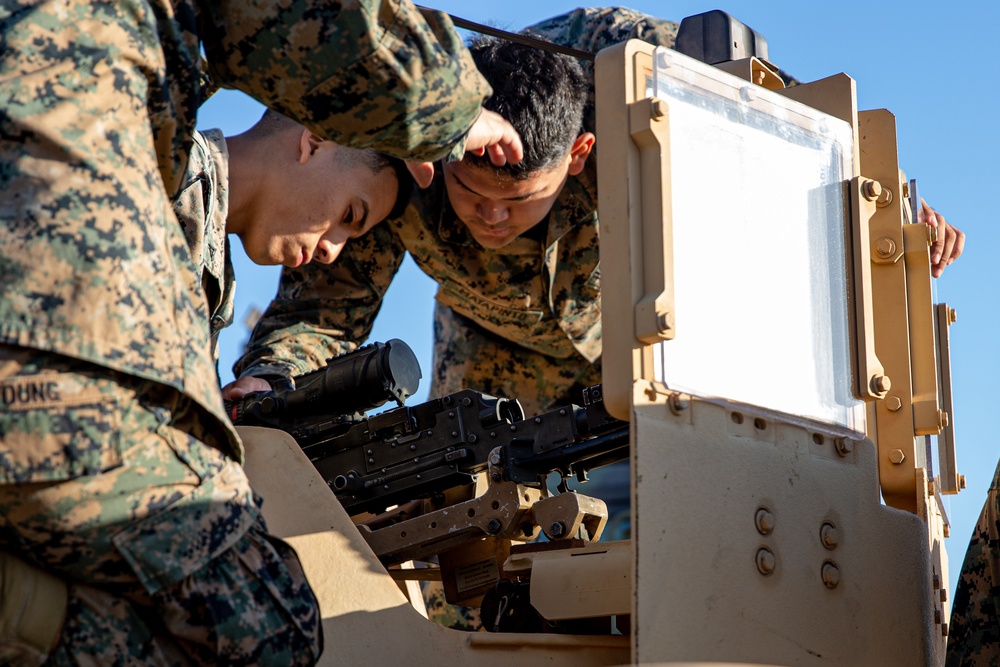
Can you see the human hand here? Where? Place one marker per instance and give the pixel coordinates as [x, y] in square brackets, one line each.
[422, 172]
[950, 240]
[243, 386]
[491, 134]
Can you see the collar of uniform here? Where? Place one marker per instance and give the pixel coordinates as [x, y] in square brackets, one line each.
[213, 142]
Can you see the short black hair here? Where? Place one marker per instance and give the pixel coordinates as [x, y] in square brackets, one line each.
[272, 122]
[541, 93]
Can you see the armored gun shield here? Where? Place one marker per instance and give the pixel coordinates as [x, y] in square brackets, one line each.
[769, 334]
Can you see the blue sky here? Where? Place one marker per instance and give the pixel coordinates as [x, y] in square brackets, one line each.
[935, 70]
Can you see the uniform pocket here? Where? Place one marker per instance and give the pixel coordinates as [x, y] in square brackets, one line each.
[184, 537]
[58, 426]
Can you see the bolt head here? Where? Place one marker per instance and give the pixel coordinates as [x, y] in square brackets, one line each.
[880, 384]
[657, 108]
[829, 536]
[764, 521]
[893, 403]
[897, 456]
[557, 529]
[885, 247]
[678, 403]
[844, 446]
[830, 574]
[871, 190]
[765, 561]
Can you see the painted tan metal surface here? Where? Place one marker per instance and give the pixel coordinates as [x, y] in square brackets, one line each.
[585, 582]
[622, 352]
[769, 537]
[827, 576]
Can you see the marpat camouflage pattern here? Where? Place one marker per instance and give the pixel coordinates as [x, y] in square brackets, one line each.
[118, 467]
[974, 630]
[202, 206]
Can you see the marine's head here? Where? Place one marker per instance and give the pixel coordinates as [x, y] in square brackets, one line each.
[302, 198]
[543, 95]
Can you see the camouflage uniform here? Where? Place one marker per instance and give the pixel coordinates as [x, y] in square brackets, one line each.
[118, 468]
[974, 631]
[202, 206]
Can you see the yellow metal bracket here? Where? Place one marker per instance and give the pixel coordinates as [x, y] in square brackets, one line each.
[871, 382]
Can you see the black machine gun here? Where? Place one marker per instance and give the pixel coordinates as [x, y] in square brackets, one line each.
[407, 453]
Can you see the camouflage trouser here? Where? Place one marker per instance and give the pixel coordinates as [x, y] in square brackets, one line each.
[974, 630]
[111, 483]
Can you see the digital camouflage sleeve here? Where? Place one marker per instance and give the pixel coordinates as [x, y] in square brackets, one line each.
[118, 467]
[974, 629]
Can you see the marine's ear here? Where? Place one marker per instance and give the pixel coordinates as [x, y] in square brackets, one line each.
[579, 152]
[308, 142]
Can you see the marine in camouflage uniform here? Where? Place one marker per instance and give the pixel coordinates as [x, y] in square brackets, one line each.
[119, 471]
[521, 321]
[974, 630]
